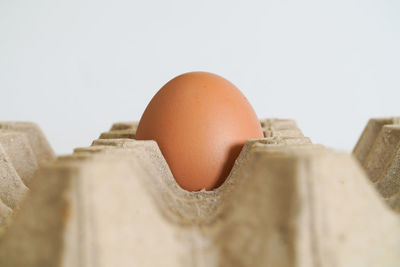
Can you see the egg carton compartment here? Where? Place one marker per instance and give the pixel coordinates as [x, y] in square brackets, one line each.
[286, 202]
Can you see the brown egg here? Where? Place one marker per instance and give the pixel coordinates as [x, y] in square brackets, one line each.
[200, 122]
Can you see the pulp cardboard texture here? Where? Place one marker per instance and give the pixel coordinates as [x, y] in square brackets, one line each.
[18, 149]
[118, 142]
[369, 135]
[124, 125]
[378, 151]
[12, 188]
[280, 127]
[22, 147]
[5, 214]
[382, 152]
[125, 133]
[389, 184]
[37, 140]
[286, 203]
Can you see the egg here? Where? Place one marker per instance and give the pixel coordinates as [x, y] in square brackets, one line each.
[200, 122]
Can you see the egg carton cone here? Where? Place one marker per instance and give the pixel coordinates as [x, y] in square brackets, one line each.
[280, 127]
[389, 185]
[369, 135]
[126, 125]
[39, 144]
[22, 147]
[286, 202]
[117, 142]
[378, 151]
[20, 153]
[12, 188]
[125, 133]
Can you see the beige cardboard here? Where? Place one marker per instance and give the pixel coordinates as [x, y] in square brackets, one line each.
[389, 184]
[92, 213]
[286, 203]
[38, 141]
[282, 205]
[5, 214]
[369, 135]
[118, 142]
[132, 125]
[382, 152]
[126, 133]
[20, 153]
[12, 189]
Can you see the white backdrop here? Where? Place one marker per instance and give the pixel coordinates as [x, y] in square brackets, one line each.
[75, 67]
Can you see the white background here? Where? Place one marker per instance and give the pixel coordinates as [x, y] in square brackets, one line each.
[75, 67]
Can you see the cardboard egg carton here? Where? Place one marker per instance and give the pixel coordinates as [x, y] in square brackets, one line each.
[286, 202]
[23, 147]
[378, 151]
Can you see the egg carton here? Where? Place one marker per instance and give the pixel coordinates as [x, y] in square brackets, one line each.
[286, 202]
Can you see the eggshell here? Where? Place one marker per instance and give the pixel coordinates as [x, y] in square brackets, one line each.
[200, 122]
